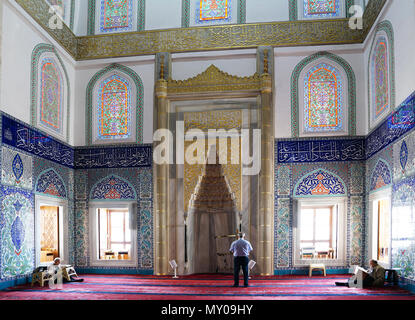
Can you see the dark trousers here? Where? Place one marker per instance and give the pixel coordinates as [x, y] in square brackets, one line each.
[368, 281]
[237, 263]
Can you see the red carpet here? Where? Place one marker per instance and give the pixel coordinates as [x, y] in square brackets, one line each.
[203, 287]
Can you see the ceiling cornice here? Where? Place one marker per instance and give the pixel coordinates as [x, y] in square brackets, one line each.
[276, 34]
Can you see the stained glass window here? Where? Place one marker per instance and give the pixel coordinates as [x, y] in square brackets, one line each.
[380, 78]
[116, 15]
[114, 111]
[51, 96]
[321, 8]
[323, 107]
[213, 10]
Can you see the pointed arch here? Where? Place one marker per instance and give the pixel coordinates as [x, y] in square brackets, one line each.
[381, 74]
[113, 187]
[320, 183]
[51, 183]
[294, 8]
[50, 92]
[92, 12]
[129, 113]
[349, 105]
[381, 176]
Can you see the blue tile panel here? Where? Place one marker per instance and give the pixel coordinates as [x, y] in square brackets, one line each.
[28, 139]
[310, 151]
[114, 157]
[25, 138]
[394, 127]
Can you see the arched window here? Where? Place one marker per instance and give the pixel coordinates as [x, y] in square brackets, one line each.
[114, 109]
[323, 96]
[114, 106]
[323, 99]
[109, 16]
[50, 92]
[318, 9]
[381, 74]
[116, 15]
[214, 10]
[51, 102]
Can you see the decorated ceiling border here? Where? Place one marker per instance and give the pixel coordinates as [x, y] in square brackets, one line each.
[275, 34]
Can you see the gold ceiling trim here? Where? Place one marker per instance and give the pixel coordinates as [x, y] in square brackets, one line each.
[275, 34]
[214, 80]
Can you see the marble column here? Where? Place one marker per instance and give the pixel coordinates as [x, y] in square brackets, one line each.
[266, 177]
[161, 187]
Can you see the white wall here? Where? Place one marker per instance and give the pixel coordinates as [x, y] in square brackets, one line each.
[20, 36]
[401, 13]
[241, 63]
[266, 11]
[163, 14]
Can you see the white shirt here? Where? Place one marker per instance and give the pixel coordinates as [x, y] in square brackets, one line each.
[241, 248]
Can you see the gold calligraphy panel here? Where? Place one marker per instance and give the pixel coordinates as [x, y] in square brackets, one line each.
[220, 119]
[275, 34]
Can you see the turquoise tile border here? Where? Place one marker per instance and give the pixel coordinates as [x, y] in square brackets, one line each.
[305, 271]
[112, 271]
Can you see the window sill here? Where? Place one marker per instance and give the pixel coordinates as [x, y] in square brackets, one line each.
[114, 263]
[327, 263]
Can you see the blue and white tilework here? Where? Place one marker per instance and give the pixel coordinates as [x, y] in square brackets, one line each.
[16, 169]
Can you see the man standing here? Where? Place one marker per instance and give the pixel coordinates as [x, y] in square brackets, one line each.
[240, 249]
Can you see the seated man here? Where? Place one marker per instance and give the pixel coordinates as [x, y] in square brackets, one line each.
[374, 277]
[56, 267]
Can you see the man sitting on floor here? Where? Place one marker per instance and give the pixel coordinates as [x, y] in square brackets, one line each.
[56, 267]
[375, 277]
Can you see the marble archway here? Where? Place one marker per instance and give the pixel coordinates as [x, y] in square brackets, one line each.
[213, 84]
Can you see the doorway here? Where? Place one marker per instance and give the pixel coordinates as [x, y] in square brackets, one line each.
[381, 231]
[380, 226]
[49, 233]
[51, 230]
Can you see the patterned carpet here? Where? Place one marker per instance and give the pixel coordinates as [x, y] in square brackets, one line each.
[204, 287]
